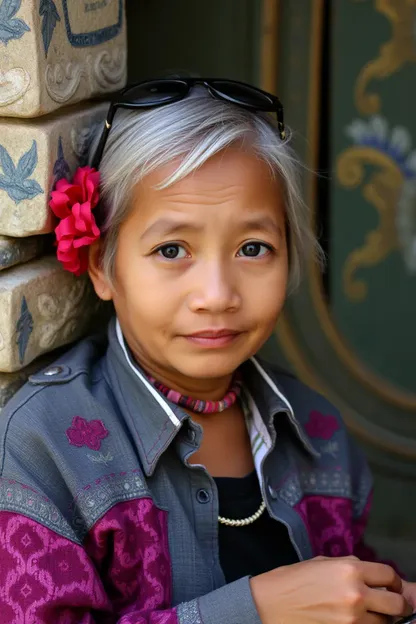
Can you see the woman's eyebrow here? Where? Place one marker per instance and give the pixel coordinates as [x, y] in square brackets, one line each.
[167, 227]
[264, 223]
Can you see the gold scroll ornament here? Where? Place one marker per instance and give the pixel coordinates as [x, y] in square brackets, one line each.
[382, 191]
[399, 50]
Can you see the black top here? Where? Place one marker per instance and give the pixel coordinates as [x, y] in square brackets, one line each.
[258, 547]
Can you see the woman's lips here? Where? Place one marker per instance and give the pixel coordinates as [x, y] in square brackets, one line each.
[213, 339]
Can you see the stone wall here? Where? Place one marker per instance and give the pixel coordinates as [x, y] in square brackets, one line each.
[52, 55]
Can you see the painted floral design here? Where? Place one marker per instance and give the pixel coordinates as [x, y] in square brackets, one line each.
[397, 144]
[11, 27]
[88, 433]
[15, 178]
[24, 329]
[49, 15]
[321, 426]
[61, 168]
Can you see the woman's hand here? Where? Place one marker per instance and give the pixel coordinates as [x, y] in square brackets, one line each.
[329, 591]
[409, 592]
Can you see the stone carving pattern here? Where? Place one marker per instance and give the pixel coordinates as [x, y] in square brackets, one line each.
[13, 85]
[105, 72]
[81, 140]
[15, 179]
[109, 69]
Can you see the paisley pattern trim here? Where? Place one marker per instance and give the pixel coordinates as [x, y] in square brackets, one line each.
[15, 497]
[326, 483]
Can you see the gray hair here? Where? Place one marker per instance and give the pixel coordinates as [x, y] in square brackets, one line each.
[193, 130]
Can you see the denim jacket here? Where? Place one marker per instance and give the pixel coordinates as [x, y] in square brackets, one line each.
[103, 519]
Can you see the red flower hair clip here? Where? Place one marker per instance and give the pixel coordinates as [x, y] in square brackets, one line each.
[73, 203]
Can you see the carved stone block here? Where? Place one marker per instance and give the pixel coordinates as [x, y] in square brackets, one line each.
[57, 53]
[33, 155]
[42, 307]
[18, 250]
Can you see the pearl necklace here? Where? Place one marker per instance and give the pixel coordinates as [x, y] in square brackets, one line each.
[244, 521]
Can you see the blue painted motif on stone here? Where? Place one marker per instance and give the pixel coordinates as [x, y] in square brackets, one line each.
[11, 27]
[14, 179]
[49, 15]
[82, 40]
[61, 168]
[24, 329]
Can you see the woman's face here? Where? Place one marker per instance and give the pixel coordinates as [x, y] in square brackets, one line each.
[201, 270]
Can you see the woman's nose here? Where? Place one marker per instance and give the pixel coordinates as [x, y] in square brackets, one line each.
[215, 290]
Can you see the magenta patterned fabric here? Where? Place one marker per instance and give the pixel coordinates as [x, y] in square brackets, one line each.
[121, 574]
[334, 532]
[330, 525]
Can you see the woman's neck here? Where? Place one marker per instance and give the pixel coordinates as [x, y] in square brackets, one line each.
[225, 449]
[211, 389]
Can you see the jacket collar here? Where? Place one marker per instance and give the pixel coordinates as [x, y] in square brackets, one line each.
[136, 396]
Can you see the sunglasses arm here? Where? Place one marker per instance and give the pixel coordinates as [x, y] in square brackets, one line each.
[96, 159]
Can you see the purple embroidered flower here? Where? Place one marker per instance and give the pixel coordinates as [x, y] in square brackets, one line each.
[321, 426]
[86, 433]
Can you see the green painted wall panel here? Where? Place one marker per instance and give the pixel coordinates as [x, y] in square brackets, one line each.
[380, 326]
[216, 38]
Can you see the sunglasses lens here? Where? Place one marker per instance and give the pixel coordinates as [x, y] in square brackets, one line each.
[243, 94]
[156, 92]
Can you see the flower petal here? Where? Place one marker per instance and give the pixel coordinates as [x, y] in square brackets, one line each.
[357, 131]
[400, 140]
[411, 162]
[98, 428]
[66, 228]
[379, 128]
[65, 244]
[73, 204]
[84, 241]
[75, 436]
[59, 204]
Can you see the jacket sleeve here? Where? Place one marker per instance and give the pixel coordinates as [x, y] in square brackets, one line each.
[46, 577]
[362, 484]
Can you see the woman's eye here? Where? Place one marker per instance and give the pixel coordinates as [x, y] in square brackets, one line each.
[172, 252]
[254, 250]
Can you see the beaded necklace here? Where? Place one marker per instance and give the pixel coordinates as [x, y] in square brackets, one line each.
[198, 405]
[211, 407]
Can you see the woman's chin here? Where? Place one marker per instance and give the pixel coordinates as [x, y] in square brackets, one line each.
[213, 366]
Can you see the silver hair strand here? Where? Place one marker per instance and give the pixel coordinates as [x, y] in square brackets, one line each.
[193, 130]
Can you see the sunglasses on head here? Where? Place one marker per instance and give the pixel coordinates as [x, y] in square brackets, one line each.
[154, 93]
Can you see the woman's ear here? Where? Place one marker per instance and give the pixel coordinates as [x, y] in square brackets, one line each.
[96, 273]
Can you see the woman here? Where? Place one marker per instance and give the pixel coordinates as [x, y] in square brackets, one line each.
[164, 474]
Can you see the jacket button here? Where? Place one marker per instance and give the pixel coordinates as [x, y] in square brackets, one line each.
[203, 496]
[54, 370]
